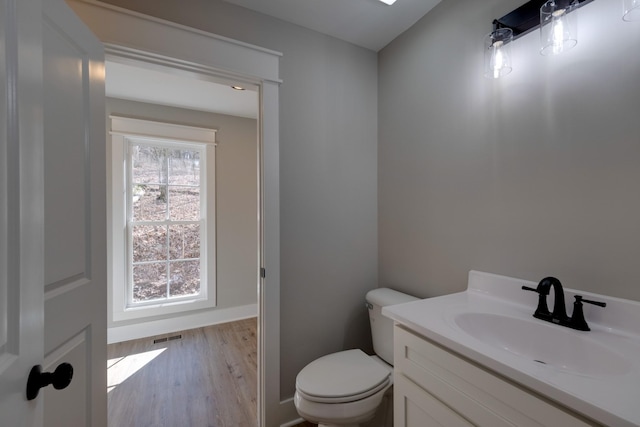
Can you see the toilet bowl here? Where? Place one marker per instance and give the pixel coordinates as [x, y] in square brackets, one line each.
[350, 388]
[344, 388]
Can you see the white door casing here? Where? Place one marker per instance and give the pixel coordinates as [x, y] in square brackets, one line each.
[75, 217]
[21, 209]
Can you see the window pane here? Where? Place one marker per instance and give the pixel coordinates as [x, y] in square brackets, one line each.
[184, 241]
[184, 167]
[149, 202]
[149, 243]
[184, 203]
[185, 278]
[149, 164]
[149, 281]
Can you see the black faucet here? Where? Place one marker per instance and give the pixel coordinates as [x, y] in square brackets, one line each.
[559, 314]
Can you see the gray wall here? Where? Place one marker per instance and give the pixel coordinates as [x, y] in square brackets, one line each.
[328, 184]
[236, 196]
[532, 175]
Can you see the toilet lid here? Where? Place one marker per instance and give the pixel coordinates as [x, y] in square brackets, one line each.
[344, 376]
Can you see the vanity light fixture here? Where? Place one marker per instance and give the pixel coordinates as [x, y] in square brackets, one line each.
[236, 87]
[497, 53]
[389, 2]
[631, 10]
[557, 23]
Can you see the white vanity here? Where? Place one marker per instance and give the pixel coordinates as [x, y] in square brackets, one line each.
[479, 358]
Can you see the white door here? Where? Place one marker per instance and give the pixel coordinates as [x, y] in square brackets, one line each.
[55, 208]
[75, 312]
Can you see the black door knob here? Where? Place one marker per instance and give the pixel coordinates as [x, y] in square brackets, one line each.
[60, 378]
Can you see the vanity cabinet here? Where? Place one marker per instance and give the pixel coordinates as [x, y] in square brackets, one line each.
[435, 387]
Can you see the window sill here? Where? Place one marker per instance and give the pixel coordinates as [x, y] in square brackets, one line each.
[163, 308]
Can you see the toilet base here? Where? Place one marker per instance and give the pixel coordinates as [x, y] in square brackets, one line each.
[383, 416]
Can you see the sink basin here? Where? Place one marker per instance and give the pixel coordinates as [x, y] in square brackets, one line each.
[543, 343]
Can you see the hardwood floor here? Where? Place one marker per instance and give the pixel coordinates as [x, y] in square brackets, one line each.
[205, 379]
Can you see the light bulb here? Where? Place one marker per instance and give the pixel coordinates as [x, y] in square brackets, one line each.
[497, 59]
[558, 30]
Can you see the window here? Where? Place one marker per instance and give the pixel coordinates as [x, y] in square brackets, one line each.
[162, 218]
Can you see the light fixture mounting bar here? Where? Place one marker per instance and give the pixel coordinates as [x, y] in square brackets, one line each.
[527, 17]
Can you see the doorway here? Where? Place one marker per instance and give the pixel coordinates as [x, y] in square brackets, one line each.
[132, 35]
[164, 96]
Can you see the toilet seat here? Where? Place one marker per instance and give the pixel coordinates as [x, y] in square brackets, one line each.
[341, 377]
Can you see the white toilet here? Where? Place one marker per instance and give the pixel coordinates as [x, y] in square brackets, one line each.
[350, 388]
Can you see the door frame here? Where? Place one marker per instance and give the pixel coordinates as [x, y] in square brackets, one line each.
[125, 34]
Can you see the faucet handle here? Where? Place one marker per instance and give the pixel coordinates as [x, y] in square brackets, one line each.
[577, 320]
[542, 311]
[598, 303]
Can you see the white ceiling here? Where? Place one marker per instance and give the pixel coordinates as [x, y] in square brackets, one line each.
[127, 81]
[367, 23]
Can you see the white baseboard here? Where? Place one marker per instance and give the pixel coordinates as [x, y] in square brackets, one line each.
[288, 414]
[180, 323]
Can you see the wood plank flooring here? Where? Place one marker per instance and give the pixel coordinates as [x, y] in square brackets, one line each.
[205, 379]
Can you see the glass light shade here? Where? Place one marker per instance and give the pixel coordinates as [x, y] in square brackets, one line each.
[497, 53]
[631, 10]
[558, 27]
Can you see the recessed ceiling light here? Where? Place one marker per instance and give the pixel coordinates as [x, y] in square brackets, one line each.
[240, 87]
[389, 2]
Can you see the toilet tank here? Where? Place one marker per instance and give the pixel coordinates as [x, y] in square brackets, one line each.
[381, 326]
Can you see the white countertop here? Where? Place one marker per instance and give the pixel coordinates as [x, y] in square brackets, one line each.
[609, 394]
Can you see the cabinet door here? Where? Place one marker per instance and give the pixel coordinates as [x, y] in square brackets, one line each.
[473, 392]
[414, 407]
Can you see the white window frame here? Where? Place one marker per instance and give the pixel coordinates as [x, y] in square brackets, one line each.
[124, 131]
